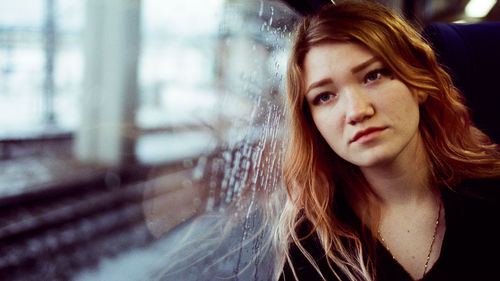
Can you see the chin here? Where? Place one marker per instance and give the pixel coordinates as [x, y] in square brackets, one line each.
[374, 160]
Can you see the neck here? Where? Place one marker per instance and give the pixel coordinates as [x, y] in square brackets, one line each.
[405, 180]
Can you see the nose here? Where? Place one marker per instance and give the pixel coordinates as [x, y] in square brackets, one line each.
[360, 106]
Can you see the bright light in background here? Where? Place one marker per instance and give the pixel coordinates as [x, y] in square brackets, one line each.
[177, 61]
[182, 17]
[479, 8]
[16, 13]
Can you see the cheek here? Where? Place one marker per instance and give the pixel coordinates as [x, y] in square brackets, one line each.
[406, 111]
[329, 124]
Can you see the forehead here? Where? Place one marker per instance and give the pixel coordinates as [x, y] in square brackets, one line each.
[333, 58]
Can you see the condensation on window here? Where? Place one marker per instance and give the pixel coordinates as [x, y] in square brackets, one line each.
[139, 139]
[242, 112]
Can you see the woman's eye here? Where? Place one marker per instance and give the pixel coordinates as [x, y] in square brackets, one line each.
[322, 98]
[376, 75]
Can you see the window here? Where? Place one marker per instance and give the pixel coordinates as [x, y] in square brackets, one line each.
[123, 120]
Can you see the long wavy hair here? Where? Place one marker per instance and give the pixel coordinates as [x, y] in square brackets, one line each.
[314, 175]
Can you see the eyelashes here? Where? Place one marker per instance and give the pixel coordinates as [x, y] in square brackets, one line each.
[377, 74]
[371, 78]
[323, 98]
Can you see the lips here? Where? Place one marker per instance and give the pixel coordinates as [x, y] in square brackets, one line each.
[367, 134]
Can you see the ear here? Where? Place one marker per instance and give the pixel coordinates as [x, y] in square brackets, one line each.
[421, 97]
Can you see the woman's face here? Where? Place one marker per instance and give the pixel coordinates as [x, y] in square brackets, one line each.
[366, 115]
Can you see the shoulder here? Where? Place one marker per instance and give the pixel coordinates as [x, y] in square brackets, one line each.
[472, 234]
[310, 242]
[473, 208]
[302, 266]
[480, 191]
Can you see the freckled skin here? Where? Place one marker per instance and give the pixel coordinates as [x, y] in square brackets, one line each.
[384, 102]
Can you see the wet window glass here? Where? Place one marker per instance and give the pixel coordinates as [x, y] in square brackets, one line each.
[129, 128]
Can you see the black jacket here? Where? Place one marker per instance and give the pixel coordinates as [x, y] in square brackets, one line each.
[470, 250]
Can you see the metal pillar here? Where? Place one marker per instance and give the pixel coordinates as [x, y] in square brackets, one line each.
[50, 49]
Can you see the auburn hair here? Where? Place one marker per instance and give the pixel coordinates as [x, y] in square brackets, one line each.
[314, 174]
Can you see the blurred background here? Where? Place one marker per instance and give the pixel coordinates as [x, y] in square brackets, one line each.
[122, 120]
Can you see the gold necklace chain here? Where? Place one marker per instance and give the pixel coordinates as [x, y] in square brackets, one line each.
[430, 248]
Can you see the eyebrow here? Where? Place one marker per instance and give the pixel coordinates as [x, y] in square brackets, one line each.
[319, 83]
[364, 65]
[355, 69]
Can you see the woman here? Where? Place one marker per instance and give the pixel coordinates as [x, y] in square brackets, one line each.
[385, 173]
